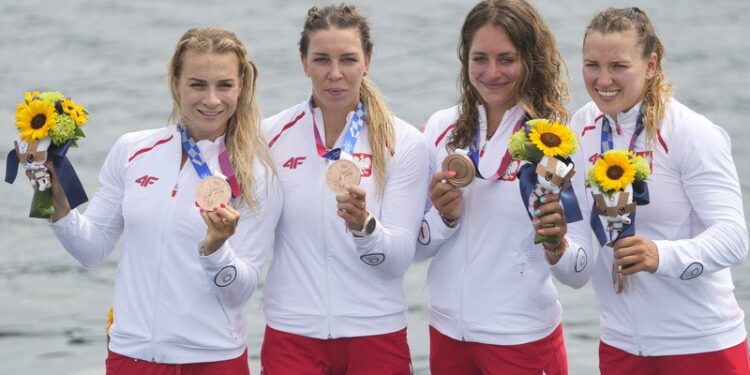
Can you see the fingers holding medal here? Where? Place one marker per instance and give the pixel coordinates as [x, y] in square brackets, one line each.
[462, 167]
[341, 175]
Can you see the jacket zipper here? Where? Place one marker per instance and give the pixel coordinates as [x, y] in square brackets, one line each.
[162, 245]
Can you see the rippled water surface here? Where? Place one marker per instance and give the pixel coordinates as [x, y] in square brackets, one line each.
[112, 57]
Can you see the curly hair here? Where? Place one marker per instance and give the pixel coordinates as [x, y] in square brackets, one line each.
[543, 86]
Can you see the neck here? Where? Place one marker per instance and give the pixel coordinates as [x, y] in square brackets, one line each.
[494, 118]
[199, 135]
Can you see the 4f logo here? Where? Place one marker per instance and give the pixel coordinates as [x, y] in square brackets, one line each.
[146, 180]
[294, 162]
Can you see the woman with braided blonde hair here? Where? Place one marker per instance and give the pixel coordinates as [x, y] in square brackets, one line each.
[185, 272]
[333, 299]
[676, 313]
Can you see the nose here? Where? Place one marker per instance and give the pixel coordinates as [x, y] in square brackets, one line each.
[604, 77]
[494, 70]
[335, 72]
[212, 98]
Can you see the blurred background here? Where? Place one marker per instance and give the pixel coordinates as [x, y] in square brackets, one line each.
[111, 56]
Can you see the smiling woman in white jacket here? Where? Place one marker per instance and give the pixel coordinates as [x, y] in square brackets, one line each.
[677, 313]
[185, 273]
[493, 305]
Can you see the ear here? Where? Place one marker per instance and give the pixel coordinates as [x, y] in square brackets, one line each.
[367, 64]
[651, 66]
[304, 64]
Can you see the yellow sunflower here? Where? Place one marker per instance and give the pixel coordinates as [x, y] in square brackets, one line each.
[110, 319]
[35, 119]
[614, 171]
[553, 139]
[76, 112]
[29, 96]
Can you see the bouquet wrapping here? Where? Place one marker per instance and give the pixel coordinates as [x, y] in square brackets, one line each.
[546, 146]
[48, 124]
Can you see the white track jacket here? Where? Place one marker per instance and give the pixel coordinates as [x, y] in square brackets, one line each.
[170, 304]
[487, 281]
[323, 282]
[695, 217]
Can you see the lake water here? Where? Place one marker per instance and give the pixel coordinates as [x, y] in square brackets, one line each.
[111, 56]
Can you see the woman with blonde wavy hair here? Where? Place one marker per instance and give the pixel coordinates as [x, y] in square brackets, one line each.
[676, 313]
[354, 181]
[196, 203]
[493, 305]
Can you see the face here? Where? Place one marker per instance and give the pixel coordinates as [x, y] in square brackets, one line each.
[208, 90]
[495, 68]
[336, 65]
[614, 70]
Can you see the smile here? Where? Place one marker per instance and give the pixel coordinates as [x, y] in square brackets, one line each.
[494, 86]
[210, 113]
[607, 93]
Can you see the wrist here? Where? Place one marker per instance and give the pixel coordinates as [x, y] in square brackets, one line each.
[208, 246]
[450, 223]
[367, 227]
[554, 253]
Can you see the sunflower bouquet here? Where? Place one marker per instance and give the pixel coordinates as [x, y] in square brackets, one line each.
[617, 181]
[48, 124]
[547, 147]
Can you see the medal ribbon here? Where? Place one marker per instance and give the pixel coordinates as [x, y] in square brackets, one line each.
[608, 142]
[474, 152]
[640, 189]
[200, 166]
[351, 134]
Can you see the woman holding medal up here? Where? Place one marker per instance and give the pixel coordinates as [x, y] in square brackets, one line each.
[354, 179]
[493, 306]
[676, 313]
[185, 272]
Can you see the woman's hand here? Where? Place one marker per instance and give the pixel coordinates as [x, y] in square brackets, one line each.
[549, 219]
[221, 224]
[445, 197]
[636, 254]
[352, 207]
[60, 204]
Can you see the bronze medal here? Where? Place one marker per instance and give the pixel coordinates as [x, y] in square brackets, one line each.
[464, 168]
[211, 192]
[342, 174]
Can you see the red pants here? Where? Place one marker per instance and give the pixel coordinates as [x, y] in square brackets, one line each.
[730, 361]
[285, 353]
[452, 357]
[121, 365]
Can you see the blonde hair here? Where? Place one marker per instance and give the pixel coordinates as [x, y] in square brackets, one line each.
[244, 141]
[658, 89]
[543, 88]
[379, 119]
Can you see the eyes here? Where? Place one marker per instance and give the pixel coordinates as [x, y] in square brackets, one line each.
[221, 85]
[504, 59]
[346, 59]
[617, 66]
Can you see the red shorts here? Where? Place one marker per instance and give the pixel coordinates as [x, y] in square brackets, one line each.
[730, 361]
[122, 365]
[449, 356]
[285, 353]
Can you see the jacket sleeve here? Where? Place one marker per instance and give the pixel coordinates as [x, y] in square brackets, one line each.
[394, 239]
[234, 269]
[433, 232]
[703, 158]
[575, 266]
[91, 237]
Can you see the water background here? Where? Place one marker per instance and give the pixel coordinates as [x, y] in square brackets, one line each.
[111, 56]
